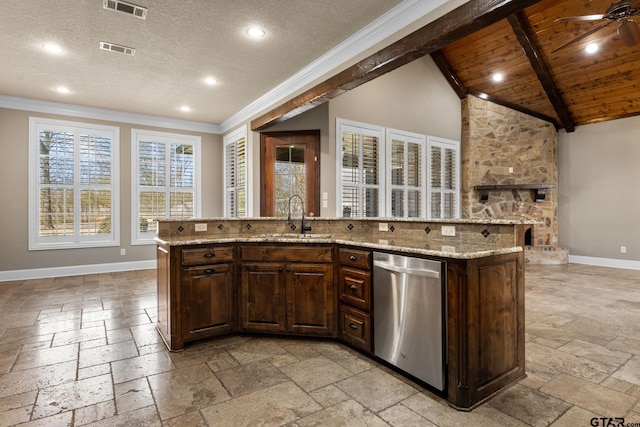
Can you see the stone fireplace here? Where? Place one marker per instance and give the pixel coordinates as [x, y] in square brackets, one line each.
[505, 149]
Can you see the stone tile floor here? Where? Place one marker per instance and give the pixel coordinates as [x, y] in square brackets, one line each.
[83, 351]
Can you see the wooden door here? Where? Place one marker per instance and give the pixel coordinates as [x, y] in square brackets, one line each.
[289, 164]
[262, 297]
[310, 299]
[208, 301]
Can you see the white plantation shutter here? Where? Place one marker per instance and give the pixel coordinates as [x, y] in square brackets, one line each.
[236, 194]
[361, 176]
[444, 178]
[165, 180]
[73, 184]
[406, 182]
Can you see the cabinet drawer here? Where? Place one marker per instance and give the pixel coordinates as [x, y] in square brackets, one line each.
[355, 327]
[355, 287]
[355, 258]
[207, 255]
[287, 253]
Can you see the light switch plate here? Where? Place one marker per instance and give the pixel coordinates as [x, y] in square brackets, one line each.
[448, 230]
[201, 227]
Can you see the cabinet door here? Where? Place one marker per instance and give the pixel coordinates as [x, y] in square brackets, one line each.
[262, 297]
[208, 301]
[310, 299]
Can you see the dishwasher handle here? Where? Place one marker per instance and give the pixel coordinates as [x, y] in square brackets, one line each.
[405, 270]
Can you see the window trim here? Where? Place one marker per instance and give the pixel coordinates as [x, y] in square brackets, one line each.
[414, 138]
[451, 144]
[232, 138]
[346, 124]
[167, 138]
[36, 242]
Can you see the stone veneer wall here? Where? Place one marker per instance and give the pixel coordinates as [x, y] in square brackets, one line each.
[495, 138]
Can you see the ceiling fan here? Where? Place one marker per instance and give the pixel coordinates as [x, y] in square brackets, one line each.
[621, 12]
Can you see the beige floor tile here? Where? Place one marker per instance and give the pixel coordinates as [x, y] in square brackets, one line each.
[590, 396]
[192, 419]
[12, 417]
[78, 336]
[575, 417]
[275, 406]
[133, 395]
[329, 395]
[147, 417]
[45, 357]
[312, 374]
[251, 377]
[626, 345]
[257, 349]
[140, 366]
[376, 389]
[346, 414]
[73, 395]
[37, 378]
[560, 362]
[59, 420]
[107, 353]
[530, 406]
[596, 353]
[401, 416]
[186, 390]
[93, 413]
[630, 372]
[344, 357]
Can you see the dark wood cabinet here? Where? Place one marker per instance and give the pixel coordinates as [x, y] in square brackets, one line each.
[286, 289]
[355, 297]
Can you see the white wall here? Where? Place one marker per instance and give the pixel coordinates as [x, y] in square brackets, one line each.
[599, 190]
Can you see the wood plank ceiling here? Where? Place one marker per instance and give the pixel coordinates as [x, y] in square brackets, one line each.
[588, 88]
[567, 87]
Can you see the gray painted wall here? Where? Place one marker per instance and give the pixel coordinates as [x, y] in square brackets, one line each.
[599, 189]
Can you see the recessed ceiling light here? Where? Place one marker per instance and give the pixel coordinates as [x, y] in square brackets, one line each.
[62, 89]
[591, 48]
[497, 77]
[210, 81]
[52, 48]
[185, 108]
[255, 32]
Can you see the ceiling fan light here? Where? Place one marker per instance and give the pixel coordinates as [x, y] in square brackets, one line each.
[629, 32]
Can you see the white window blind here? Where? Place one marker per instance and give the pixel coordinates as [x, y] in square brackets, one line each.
[406, 182]
[361, 176]
[165, 180]
[236, 195]
[73, 184]
[444, 178]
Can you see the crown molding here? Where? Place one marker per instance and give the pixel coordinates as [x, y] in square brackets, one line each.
[49, 107]
[385, 26]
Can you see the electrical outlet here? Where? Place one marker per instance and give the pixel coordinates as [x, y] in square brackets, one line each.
[448, 230]
[123, 251]
[623, 249]
[201, 227]
[383, 226]
[510, 170]
[325, 203]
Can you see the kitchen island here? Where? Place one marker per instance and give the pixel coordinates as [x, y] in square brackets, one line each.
[257, 276]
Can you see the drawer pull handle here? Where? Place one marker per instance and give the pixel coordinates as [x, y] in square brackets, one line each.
[209, 271]
[353, 326]
[353, 287]
[209, 255]
[353, 257]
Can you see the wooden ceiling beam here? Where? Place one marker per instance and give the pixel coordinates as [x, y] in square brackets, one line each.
[522, 30]
[449, 73]
[462, 21]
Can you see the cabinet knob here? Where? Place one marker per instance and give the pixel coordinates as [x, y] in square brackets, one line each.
[209, 255]
[353, 257]
[353, 287]
[279, 268]
[209, 271]
[353, 326]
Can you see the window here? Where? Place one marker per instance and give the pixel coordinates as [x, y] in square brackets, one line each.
[406, 189]
[360, 174]
[236, 190]
[73, 185]
[165, 176]
[444, 178]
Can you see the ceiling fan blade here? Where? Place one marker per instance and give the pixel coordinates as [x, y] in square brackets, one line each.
[629, 32]
[581, 18]
[582, 36]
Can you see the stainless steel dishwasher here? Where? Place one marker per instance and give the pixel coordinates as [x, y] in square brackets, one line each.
[408, 296]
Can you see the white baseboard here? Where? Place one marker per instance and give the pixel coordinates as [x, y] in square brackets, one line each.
[75, 270]
[605, 262]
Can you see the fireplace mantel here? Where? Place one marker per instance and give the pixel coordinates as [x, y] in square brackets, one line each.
[539, 189]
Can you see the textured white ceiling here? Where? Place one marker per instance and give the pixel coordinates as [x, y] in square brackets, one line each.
[179, 43]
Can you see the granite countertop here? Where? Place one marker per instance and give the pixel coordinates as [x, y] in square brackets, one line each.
[449, 249]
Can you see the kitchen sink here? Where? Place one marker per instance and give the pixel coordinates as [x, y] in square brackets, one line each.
[294, 236]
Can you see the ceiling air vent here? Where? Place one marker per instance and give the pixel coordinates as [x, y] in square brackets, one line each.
[112, 47]
[123, 6]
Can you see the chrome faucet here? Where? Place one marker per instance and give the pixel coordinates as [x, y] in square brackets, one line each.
[303, 228]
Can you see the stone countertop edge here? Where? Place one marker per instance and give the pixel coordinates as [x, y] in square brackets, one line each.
[389, 220]
[471, 254]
